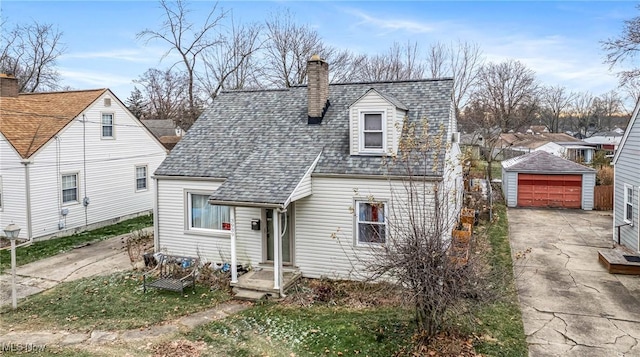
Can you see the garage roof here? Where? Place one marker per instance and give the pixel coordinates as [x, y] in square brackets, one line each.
[544, 162]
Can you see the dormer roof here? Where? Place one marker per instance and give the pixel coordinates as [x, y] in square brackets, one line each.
[388, 97]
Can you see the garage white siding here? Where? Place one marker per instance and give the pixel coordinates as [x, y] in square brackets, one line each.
[12, 183]
[588, 184]
[510, 187]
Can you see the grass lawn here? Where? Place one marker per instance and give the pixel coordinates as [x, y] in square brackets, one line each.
[321, 328]
[480, 170]
[501, 320]
[48, 248]
[114, 302]
[313, 331]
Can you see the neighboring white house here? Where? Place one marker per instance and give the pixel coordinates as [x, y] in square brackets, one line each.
[607, 141]
[309, 159]
[558, 144]
[72, 160]
[626, 199]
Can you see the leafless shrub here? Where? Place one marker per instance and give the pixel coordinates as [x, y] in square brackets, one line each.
[137, 244]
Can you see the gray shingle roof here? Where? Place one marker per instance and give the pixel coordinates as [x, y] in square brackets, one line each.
[543, 162]
[261, 143]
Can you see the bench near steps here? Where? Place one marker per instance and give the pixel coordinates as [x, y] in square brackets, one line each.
[172, 272]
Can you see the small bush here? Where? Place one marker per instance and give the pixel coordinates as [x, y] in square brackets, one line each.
[137, 244]
[604, 176]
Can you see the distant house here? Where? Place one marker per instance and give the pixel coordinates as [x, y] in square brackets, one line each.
[558, 144]
[626, 200]
[72, 160]
[294, 177]
[605, 141]
[165, 130]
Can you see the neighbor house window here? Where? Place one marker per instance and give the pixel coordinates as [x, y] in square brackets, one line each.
[628, 203]
[107, 125]
[141, 178]
[69, 188]
[371, 224]
[372, 138]
[203, 215]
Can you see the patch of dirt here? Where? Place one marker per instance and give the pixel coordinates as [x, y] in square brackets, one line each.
[442, 345]
[179, 348]
[353, 294]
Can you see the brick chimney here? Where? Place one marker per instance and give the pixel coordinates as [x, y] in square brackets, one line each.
[317, 89]
[8, 85]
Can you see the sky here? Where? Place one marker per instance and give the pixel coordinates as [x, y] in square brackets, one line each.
[560, 41]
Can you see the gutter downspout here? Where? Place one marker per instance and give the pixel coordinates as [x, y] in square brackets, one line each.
[27, 193]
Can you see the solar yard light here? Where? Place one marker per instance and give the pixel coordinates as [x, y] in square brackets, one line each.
[12, 231]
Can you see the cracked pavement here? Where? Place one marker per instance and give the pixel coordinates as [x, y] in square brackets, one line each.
[571, 305]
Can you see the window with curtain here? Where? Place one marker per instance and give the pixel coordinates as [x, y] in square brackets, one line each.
[203, 215]
[370, 222]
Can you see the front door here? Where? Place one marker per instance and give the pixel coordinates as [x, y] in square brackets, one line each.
[285, 221]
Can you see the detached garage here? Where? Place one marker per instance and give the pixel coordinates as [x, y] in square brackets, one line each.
[541, 179]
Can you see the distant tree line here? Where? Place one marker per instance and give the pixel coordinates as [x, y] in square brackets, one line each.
[224, 53]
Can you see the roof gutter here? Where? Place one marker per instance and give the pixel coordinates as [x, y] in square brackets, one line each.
[246, 204]
[379, 177]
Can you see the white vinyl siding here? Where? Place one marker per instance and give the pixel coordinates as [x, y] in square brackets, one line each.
[69, 188]
[1, 207]
[142, 179]
[108, 183]
[628, 203]
[107, 125]
[14, 202]
[201, 216]
[372, 103]
[627, 174]
[371, 223]
[213, 246]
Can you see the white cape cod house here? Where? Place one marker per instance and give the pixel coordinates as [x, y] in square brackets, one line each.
[72, 160]
[299, 163]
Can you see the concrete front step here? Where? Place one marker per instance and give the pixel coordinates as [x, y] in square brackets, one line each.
[249, 295]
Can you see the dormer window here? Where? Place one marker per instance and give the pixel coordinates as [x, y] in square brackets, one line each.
[373, 138]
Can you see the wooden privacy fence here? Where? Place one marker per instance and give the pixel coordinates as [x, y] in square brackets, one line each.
[603, 197]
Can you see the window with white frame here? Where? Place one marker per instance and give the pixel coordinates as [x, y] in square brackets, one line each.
[107, 125]
[628, 203]
[69, 188]
[372, 135]
[371, 224]
[141, 178]
[204, 216]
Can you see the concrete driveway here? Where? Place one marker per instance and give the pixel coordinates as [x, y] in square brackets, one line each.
[100, 258]
[571, 306]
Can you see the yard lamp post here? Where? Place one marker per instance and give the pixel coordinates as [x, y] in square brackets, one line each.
[12, 231]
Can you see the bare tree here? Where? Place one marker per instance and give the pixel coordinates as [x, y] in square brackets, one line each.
[30, 53]
[462, 61]
[288, 48]
[505, 99]
[606, 107]
[624, 48]
[164, 94]
[232, 63]
[581, 119]
[555, 104]
[399, 62]
[416, 249]
[188, 40]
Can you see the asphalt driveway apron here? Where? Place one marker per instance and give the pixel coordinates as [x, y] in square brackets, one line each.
[571, 305]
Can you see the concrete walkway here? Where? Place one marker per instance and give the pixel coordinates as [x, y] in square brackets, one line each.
[97, 337]
[571, 305]
[101, 258]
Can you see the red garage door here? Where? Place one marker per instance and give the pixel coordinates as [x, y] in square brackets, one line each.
[550, 191]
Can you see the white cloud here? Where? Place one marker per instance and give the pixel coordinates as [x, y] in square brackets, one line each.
[387, 24]
[134, 55]
[82, 79]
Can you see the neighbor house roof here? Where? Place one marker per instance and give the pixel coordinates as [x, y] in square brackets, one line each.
[533, 141]
[29, 121]
[260, 142]
[544, 163]
[160, 127]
